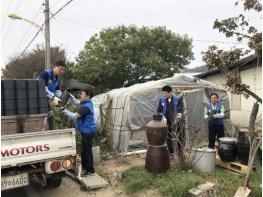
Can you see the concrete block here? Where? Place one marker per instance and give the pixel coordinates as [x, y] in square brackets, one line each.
[203, 190]
[96, 155]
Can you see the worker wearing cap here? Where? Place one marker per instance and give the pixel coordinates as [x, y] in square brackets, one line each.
[52, 82]
[168, 107]
[214, 113]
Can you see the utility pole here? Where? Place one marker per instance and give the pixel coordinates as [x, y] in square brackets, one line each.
[47, 34]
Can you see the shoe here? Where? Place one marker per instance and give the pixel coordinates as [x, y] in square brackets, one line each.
[83, 171]
[89, 174]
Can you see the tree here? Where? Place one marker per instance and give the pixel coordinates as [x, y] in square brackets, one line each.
[121, 54]
[222, 60]
[32, 63]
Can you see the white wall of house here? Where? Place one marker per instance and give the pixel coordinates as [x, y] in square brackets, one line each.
[240, 106]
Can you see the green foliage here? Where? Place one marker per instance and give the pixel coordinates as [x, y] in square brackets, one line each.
[136, 179]
[61, 121]
[253, 4]
[31, 64]
[215, 58]
[223, 60]
[177, 183]
[239, 27]
[130, 53]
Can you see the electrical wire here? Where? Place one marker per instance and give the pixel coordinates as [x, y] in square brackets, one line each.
[69, 34]
[9, 4]
[27, 31]
[75, 22]
[40, 30]
[60, 9]
[10, 24]
[27, 46]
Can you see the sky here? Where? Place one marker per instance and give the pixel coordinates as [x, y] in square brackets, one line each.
[81, 19]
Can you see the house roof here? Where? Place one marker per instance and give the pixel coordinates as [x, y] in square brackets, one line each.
[243, 64]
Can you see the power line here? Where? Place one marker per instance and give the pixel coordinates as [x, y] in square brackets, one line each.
[27, 46]
[78, 23]
[70, 35]
[25, 34]
[9, 4]
[60, 9]
[39, 31]
[10, 24]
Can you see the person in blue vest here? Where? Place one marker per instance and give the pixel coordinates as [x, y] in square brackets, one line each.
[85, 124]
[168, 107]
[52, 81]
[214, 113]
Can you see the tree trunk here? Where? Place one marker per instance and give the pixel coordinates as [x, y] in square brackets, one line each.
[253, 95]
[253, 117]
[253, 140]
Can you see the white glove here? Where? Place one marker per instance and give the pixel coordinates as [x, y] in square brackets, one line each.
[55, 101]
[221, 115]
[58, 93]
[73, 99]
[164, 119]
[179, 115]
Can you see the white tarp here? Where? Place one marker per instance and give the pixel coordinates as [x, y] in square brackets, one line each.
[123, 111]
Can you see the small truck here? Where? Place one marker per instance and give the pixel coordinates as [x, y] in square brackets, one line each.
[28, 148]
[44, 154]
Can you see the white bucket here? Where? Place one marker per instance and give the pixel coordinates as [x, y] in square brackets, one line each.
[204, 159]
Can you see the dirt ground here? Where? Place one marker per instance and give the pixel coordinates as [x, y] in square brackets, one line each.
[110, 170]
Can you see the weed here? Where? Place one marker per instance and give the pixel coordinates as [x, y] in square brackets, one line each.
[137, 178]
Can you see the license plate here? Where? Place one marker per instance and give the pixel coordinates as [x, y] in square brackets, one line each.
[11, 182]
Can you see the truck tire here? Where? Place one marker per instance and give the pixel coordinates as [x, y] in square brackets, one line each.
[54, 181]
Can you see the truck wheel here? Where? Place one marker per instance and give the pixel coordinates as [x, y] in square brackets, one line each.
[54, 181]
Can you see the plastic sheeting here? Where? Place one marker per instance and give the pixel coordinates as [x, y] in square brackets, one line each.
[194, 103]
[121, 112]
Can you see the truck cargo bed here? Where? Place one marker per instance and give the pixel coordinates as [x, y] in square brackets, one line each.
[23, 123]
[21, 149]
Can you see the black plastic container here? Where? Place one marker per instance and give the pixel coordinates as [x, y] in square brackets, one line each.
[243, 146]
[227, 149]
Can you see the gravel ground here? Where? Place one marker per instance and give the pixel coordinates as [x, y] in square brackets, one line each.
[110, 170]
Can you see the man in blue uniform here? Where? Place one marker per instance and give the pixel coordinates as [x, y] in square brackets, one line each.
[214, 113]
[85, 124]
[168, 107]
[52, 81]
